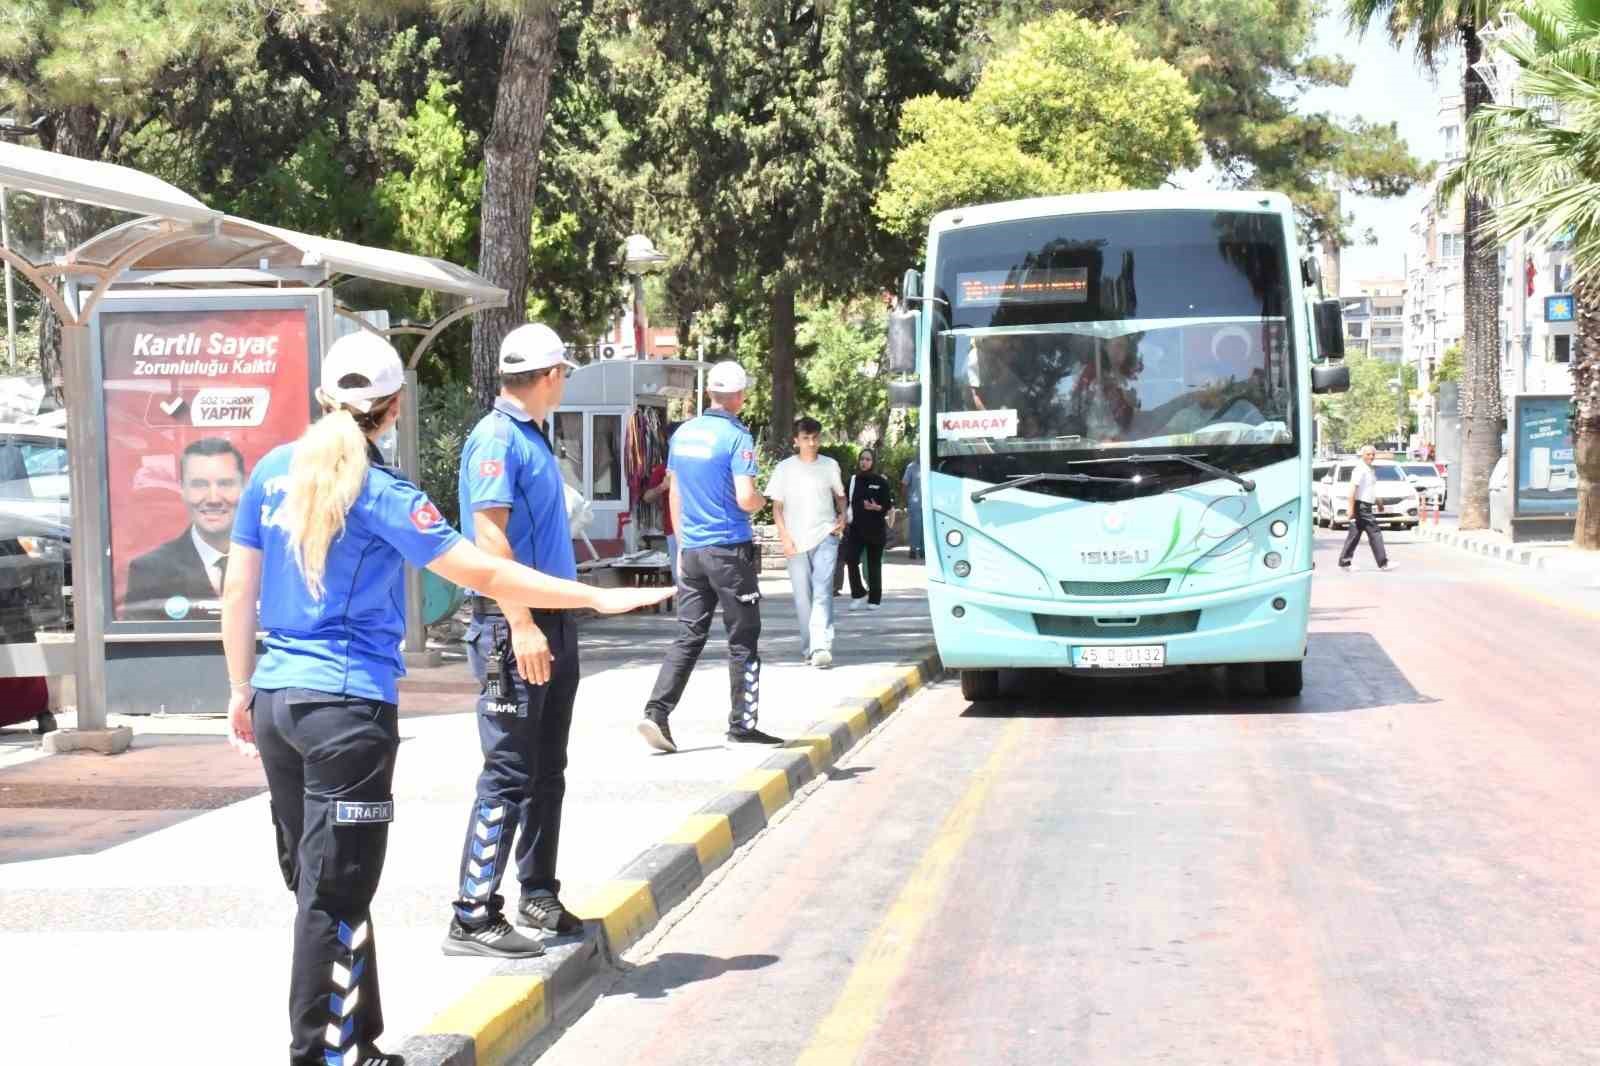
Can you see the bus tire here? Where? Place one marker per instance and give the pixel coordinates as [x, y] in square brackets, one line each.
[1284, 680]
[980, 686]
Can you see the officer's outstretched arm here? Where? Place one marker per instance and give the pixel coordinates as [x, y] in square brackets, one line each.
[467, 565]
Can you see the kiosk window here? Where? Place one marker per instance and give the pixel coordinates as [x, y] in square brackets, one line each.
[607, 457]
[569, 445]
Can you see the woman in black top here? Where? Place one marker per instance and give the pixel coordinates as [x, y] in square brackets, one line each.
[871, 503]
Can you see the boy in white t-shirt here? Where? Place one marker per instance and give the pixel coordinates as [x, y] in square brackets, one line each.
[808, 505]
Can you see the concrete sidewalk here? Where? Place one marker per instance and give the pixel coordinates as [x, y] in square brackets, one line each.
[174, 945]
[1557, 557]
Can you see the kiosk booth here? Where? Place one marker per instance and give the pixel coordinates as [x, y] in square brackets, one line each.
[611, 432]
[190, 347]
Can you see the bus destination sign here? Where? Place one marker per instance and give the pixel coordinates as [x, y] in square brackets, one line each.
[1041, 285]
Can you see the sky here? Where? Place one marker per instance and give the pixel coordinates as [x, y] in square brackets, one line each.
[1388, 86]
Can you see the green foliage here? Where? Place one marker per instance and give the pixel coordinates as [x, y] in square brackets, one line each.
[1249, 62]
[447, 417]
[1069, 107]
[435, 203]
[1537, 159]
[1449, 368]
[1372, 409]
[843, 382]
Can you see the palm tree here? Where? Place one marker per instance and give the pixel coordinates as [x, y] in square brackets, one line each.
[1433, 27]
[1538, 159]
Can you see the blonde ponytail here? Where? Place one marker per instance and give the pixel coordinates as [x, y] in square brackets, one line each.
[326, 475]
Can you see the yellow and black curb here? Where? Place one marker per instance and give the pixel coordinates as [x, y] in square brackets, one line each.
[506, 1012]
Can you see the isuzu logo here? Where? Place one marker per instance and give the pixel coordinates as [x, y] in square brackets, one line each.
[1114, 556]
[1114, 521]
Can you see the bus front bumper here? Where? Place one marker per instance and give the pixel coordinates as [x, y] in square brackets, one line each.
[1234, 625]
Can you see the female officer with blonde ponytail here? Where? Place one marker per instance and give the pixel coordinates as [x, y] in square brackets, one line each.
[321, 539]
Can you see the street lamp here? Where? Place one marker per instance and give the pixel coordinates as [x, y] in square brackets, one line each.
[640, 257]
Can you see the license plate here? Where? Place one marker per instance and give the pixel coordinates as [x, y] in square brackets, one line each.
[1121, 657]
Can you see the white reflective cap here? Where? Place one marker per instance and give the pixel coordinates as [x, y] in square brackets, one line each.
[369, 366]
[532, 347]
[727, 376]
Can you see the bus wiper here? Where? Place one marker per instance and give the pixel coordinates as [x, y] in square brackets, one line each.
[1029, 479]
[1199, 464]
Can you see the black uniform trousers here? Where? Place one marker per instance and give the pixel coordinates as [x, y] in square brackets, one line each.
[523, 732]
[722, 575]
[330, 769]
[1363, 522]
[857, 553]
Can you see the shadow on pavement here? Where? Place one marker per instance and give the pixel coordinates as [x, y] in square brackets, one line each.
[1344, 671]
[81, 804]
[674, 969]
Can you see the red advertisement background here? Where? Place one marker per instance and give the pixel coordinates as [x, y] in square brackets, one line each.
[144, 444]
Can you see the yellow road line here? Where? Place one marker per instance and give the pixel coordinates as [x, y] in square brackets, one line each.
[839, 1038]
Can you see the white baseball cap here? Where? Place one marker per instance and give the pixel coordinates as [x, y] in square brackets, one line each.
[360, 369]
[727, 376]
[532, 347]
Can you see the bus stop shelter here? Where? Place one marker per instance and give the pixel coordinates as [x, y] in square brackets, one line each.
[152, 239]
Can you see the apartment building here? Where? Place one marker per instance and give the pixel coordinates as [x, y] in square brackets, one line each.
[1375, 318]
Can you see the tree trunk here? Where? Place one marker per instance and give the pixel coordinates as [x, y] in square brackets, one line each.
[1586, 401]
[1482, 408]
[75, 131]
[510, 176]
[783, 344]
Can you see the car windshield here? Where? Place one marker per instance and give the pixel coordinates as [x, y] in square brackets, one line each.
[1387, 472]
[1089, 336]
[33, 468]
[1422, 470]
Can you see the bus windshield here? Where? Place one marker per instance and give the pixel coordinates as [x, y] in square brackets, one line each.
[1091, 336]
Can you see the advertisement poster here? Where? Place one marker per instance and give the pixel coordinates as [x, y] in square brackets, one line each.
[1547, 475]
[194, 399]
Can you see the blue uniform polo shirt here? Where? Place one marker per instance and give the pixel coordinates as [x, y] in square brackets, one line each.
[707, 453]
[508, 462]
[347, 643]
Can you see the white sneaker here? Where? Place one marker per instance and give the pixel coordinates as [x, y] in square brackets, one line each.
[822, 659]
[874, 606]
[856, 605]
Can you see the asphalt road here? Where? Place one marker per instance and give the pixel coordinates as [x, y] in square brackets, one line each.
[1399, 867]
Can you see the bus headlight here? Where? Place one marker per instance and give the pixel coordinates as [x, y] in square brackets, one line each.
[962, 568]
[1272, 560]
[954, 538]
[1279, 528]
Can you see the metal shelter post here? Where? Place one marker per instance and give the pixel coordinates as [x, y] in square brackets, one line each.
[11, 299]
[89, 535]
[410, 433]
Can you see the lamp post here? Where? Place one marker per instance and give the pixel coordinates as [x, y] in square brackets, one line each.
[640, 257]
[1397, 385]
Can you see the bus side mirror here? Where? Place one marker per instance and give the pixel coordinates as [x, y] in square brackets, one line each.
[905, 394]
[1326, 379]
[1329, 315]
[903, 342]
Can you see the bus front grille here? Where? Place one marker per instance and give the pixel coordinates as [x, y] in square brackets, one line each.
[1103, 627]
[1154, 586]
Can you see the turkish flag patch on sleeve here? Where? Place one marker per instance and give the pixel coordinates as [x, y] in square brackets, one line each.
[426, 517]
[491, 468]
[747, 455]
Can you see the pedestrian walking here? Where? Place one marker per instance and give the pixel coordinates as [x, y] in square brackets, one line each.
[807, 494]
[871, 505]
[316, 561]
[656, 491]
[1363, 495]
[711, 474]
[911, 484]
[513, 505]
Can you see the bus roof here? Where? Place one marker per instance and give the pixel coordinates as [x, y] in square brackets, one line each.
[1101, 202]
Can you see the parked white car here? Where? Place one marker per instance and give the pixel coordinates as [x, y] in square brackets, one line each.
[1430, 485]
[1397, 502]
